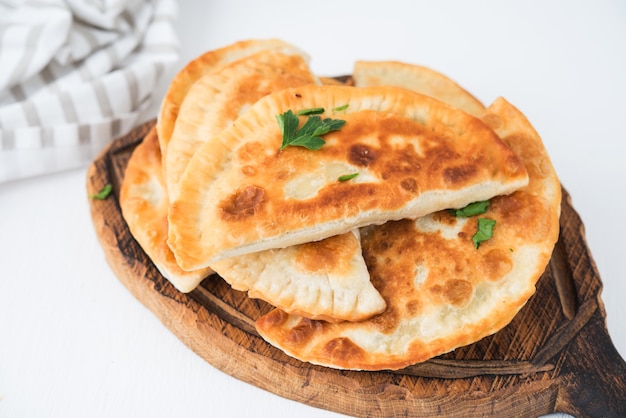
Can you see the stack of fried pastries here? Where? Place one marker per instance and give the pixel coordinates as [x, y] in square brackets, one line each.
[388, 220]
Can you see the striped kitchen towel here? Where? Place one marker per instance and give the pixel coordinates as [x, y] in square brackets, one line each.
[74, 75]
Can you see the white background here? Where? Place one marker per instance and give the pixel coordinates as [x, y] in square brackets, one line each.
[74, 342]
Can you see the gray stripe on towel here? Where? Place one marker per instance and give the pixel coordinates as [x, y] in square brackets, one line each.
[30, 112]
[31, 45]
[133, 86]
[103, 99]
[67, 105]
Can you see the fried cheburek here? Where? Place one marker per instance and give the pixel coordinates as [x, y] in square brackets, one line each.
[414, 155]
[441, 291]
[354, 240]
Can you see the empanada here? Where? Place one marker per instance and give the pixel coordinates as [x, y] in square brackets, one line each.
[326, 279]
[216, 99]
[143, 201]
[441, 291]
[411, 154]
[416, 78]
[208, 62]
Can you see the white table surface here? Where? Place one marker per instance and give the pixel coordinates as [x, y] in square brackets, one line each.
[74, 342]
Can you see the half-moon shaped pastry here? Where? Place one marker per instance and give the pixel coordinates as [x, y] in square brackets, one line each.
[325, 279]
[412, 155]
[441, 291]
[218, 98]
[206, 63]
[416, 78]
[144, 202]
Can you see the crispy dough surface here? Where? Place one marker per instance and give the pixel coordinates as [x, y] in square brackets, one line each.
[144, 203]
[414, 155]
[216, 99]
[416, 78]
[325, 279]
[208, 62]
[294, 278]
[441, 292]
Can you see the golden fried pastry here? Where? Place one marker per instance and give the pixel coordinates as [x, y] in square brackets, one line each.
[216, 99]
[416, 78]
[326, 279]
[444, 289]
[402, 154]
[144, 204]
[206, 63]
[293, 278]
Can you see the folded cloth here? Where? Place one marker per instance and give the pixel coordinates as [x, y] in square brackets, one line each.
[74, 75]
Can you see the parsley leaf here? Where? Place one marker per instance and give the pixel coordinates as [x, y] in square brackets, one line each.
[340, 108]
[485, 225]
[484, 231]
[347, 177]
[288, 123]
[309, 135]
[311, 111]
[103, 193]
[472, 209]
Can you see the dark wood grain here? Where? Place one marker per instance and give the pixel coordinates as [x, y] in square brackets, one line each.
[555, 356]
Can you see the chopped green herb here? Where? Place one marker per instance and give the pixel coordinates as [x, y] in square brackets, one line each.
[347, 177]
[476, 208]
[309, 135]
[484, 232]
[103, 193]
[311, 111]
[340, 108]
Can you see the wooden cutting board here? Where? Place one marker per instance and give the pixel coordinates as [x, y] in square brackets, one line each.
[555, 356]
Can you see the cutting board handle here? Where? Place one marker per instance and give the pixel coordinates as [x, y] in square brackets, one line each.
[596, 374]
[565, 362]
